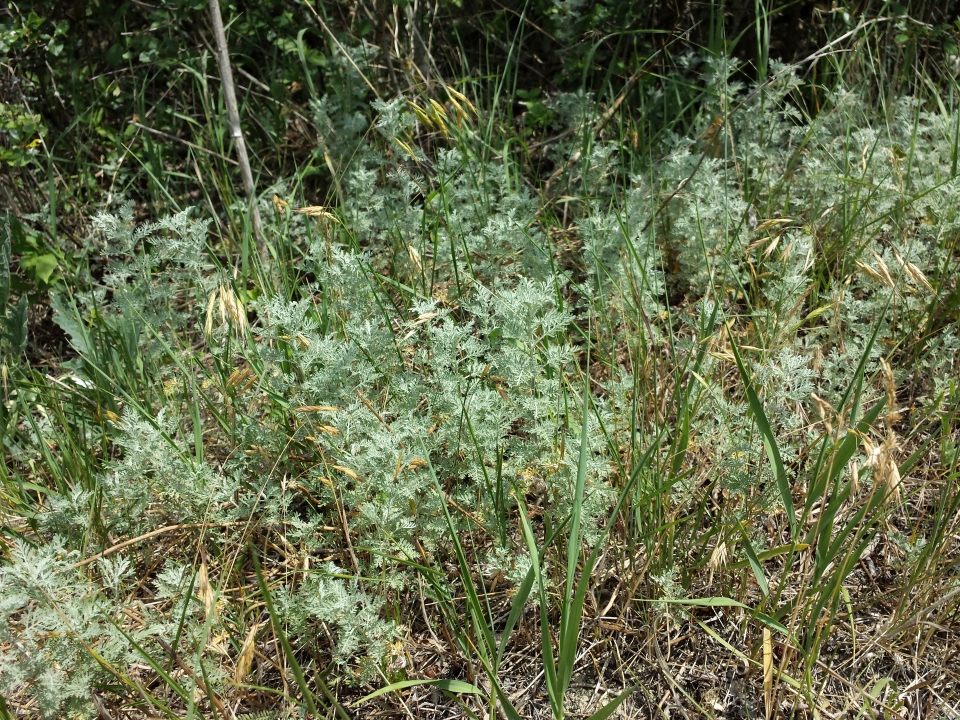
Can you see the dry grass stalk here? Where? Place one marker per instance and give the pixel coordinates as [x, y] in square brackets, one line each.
[767, 673]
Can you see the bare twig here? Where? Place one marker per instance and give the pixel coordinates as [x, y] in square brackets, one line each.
[340, 47]
[601, 124]
[233, 115]
[189, 144]
[260, 84]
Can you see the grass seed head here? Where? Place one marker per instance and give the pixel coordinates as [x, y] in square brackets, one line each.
[881, 458]
[890, 387]
[461, 97]
[415, 257]
[245, 658]
[825, 410]
[914, 273]
[881, 276]
[224, 302]
[352, 474]
[884, 271]
[204, 590]
[317, 211]
[718, 558]
[421, 114]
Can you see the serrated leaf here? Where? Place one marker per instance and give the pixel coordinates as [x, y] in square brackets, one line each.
[67, 319]
[15, 327]
[4, 261]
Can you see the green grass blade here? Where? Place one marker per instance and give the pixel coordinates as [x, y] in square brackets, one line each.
[572, 610]
[608, 709]
[454, 686]
[769, 441]
[516, 609]
[546, 641]
[488, 644]
[847, 447]
[754, 561]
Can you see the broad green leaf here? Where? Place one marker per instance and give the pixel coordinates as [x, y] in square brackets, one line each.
[42, 266]
[754, 561]
[66, 317]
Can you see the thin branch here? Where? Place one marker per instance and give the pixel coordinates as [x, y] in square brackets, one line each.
[163, 134]
[340, 47]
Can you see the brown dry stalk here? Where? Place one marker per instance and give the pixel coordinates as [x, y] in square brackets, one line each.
[153, 533]
[167, 648]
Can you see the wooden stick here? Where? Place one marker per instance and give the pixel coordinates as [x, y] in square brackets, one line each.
[233, 116]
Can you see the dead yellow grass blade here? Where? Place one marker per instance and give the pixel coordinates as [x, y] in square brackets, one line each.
[767, 673]
[347, 471]
[245, 658]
